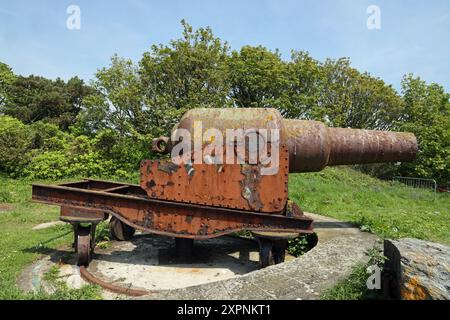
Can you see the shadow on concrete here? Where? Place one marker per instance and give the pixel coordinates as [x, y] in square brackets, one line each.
[333, 225]
[205, 253]
[215, 251]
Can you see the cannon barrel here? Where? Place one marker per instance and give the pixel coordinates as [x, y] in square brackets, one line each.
[312, 145]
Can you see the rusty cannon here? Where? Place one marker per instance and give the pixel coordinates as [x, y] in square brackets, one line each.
[198, 195]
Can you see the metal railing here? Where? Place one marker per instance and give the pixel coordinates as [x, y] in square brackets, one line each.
[417, 182]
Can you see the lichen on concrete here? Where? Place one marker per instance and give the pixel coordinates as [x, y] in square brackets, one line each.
[420, 270]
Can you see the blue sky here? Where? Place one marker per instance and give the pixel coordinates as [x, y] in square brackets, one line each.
[414, 35]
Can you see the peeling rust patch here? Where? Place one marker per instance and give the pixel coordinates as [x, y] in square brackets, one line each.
[148, 219]
[167, 167]
[151, 184]
[250, 185]
[223, 185]
[149, 168]
[293, 210]
[189, 169]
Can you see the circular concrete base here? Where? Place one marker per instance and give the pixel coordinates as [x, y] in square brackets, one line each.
[221, 268]
[148, 262]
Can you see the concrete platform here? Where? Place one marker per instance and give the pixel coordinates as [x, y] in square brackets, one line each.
[221, 268]
[148, 262]
[341, 246]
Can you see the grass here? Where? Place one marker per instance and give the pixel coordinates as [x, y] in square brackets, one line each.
[20, 245]
[352, 288]
[355, 286]
[387, 209]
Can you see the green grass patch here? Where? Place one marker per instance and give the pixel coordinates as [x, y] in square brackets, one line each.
[388, 209]
[20, 245]
[355, 286]
[352, 288]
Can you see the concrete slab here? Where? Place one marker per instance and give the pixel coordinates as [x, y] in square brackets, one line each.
[341, 246]
[147, 263]
[48, 225]
[221, 268]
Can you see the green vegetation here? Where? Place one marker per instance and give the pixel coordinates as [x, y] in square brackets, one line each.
[302, 244]
[355, 286]
[52, 130]
[105, 128]
[385, 208]
[42, 151]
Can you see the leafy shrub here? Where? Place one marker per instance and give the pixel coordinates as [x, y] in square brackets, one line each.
[42, 151]
[47, 136]
[126, 151]
[302, 244]
[60, 164]
[48, 165]
[15, 142]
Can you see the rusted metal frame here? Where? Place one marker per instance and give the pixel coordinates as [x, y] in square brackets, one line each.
[69, 214]
[238, 187]
[169, 218]
[93, 184]
[128, 188]
[115, 189]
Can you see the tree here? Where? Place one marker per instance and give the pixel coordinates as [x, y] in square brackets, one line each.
[15, 142]
[427, 115]
[190, 72]
[151, 96]
[258, 78]
[119, 98]
[34, 98]
[305, 85]
[349, 98]
[6, 78]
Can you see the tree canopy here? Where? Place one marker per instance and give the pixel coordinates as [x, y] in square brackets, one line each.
[36, 98]
[139, 100]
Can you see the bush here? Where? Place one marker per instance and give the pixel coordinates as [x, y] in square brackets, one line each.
[15, 143]
[76, 159]
[49, 165]
[126, 151]
[47, 136]
[42, 151]
[302, 244]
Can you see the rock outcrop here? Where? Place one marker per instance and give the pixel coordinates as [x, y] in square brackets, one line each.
[417, 270]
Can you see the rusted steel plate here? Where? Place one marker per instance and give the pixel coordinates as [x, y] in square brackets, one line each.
[232, 186]
[169, 218]
[69, 214]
